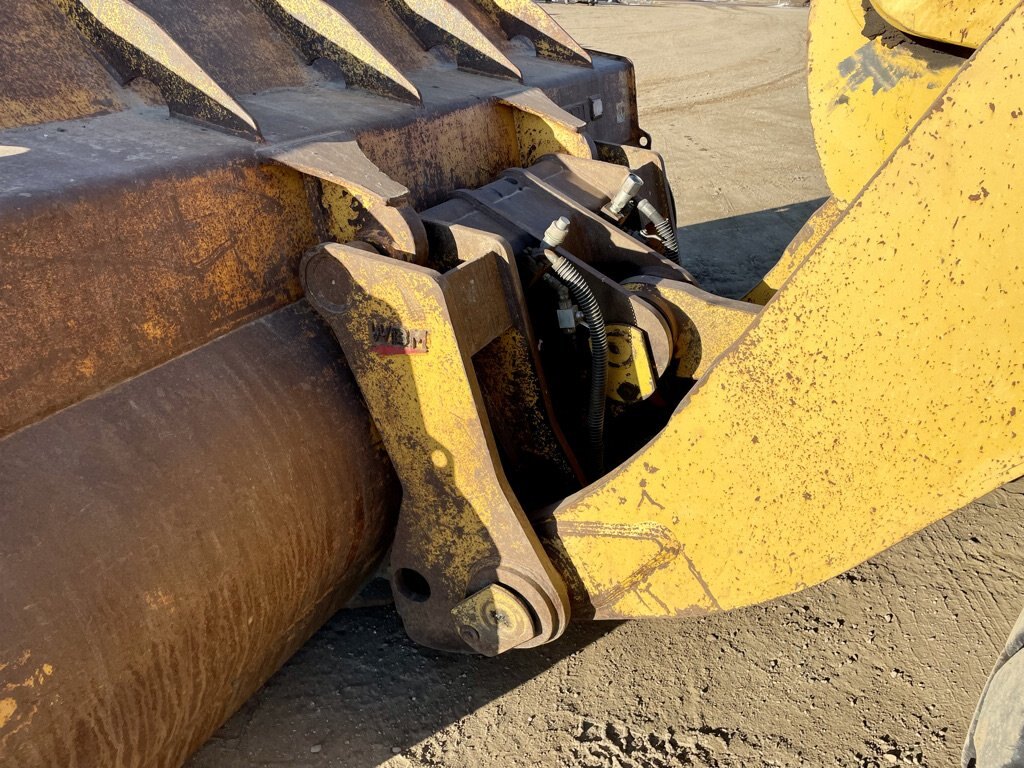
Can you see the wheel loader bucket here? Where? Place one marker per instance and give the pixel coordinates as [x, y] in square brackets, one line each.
[190, 481]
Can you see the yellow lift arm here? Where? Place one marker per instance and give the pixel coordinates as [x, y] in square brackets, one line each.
[876, 391]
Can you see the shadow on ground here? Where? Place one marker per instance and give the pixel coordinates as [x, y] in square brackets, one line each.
[728, 256]
[360, 691]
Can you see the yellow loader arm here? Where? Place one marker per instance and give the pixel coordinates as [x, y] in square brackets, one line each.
[876, 391]
[879, 390]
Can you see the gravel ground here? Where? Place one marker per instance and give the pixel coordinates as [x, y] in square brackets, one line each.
[881, 666]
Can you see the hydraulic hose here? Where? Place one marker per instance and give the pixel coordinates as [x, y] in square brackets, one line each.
[591, 310]
[663, 227]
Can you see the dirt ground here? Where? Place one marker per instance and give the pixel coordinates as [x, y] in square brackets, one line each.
[880, 666]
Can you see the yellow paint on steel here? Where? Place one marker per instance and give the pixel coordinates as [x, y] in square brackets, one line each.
[881, 389]
[461, 31]
[20, 694]
[138, 30]
[706, 325]
[631, 375]
[525, 17]
[544, 128]
[353, 214]
[805, 241]
[516, 131]
[863, 96]
[459, 522]
[410, 366]
[960, 22]
[47, 69]
[344, 39]
[539, 135]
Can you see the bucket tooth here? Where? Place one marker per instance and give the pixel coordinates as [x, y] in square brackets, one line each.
[441, 22]
[134, 45]
[526, 18]
[321, 31]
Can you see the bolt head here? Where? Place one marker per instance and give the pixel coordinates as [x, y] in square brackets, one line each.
[494, 620]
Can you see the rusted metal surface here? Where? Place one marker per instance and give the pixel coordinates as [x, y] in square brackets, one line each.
[41, 46]
[233, 40]
[524, 18]
[541, 465]
[463, 29]
[135, 45]
[544, 128]
[207, 58]
[114, 280]
[359, 201]
[494, 620]
[321, 31]
[200, 234]
[167, 545]
[209, 510]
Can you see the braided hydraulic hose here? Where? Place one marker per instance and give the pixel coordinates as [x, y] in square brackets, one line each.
[591, 310]
[663, 227]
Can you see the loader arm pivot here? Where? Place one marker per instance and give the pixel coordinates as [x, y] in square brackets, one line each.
[873, 394]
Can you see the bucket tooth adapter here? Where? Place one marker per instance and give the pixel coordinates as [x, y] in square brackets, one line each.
[535, 414]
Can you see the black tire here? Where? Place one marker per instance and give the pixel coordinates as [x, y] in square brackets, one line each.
[996, 737]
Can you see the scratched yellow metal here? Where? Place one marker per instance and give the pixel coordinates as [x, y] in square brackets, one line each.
[143, 43]
[526, 18]
[544, 128]
[425, 390]
[881, 389]
[960, 22]
[863, 96]
[329, 34]
[443, 22]
[706, 325]
[631, 376]
[806, 240]
[20, 695]
[539, 136]
[459, 517]
[354, 214]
